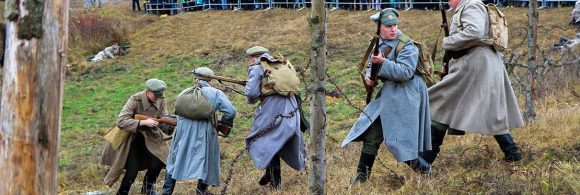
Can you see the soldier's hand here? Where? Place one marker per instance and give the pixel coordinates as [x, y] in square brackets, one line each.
[378, 59]
[370, 82]
[149, 122]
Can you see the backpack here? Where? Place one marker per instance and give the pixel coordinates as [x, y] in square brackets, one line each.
[191, 103]
[424, 64]
[498, 27]
[279, 78]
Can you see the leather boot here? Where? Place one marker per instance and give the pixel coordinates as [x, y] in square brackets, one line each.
[201, 188]
[276, 173]
[267, 177]
[437, 135]
[509, 148]
[148, 189]
[419, 165]
[363, 171]
[168, 185]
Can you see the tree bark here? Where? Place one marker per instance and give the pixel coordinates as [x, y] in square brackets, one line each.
[317, 21]
[32, 91]
[529, 91]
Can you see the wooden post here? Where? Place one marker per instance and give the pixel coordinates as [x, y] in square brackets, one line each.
[530, 88]
[317, 21]
[31, 101]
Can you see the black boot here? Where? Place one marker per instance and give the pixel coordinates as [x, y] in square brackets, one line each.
[419, 165]
[148, 189]
[267, 177]
[437, 135]
[363, 171]
[201, 188]
[168, 185]
[509, 148]
[276, 173]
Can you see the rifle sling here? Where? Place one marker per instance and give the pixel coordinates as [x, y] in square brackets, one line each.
[366, 56]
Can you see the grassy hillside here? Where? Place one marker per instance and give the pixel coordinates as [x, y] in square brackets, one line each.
[168, 48]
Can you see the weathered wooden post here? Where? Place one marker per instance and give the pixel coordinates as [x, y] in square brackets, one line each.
[32, 91]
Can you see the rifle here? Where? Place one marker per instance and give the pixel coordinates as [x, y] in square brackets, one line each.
[159, 120]
[374, 67]
[447, 55]
[226, 79]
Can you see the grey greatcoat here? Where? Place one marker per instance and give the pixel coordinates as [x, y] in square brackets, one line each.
[476, 96]
[276, 126]
[195, 152]
[402, 105]
[154, 138]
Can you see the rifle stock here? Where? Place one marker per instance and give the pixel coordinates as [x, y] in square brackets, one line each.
[159, 120]
[226, 79]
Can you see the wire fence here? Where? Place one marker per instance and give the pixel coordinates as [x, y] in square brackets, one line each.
[172, 7]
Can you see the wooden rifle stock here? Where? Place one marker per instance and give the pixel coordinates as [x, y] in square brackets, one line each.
[226, 79]
[159, 120]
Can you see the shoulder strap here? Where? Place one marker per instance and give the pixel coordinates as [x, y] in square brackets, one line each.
[137, 97]
[403, 38]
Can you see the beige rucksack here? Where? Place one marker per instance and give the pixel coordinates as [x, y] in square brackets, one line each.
[424, 62]
[279, 78]
[498, 27]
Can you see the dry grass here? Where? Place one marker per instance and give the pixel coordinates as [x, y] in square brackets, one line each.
[167, 47]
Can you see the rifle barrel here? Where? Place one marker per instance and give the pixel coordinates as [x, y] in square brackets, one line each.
[226, 79]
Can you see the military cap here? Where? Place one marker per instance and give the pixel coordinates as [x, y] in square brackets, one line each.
[156, 86]
[257, 50]
[390, 16]
[202, 70]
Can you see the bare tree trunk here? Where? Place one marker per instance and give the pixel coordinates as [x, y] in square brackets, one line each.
[530, 111]
[31, 102]
[317, 177]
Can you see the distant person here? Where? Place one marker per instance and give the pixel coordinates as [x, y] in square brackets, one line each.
[136, 3]
[195, 150]
[576, 14]
[145, 147]
[109, 52]
[476, 95]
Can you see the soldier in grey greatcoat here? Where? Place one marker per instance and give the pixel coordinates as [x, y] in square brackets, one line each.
[275, 131]
[145, 147]
[399, 114]
[195, 150]
[476, 95]
[576, 14]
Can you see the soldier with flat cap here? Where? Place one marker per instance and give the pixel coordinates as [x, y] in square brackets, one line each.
[275, 131]
[399, 115]
[195, 151]
[145, 147]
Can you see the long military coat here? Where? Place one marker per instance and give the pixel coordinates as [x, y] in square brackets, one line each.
[154, 138]
[476, 96]
[276, 126]
[195, 151]
[402, 105]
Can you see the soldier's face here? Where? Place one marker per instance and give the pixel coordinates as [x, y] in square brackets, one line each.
[151, 96]
[389, 32]
[454, 3]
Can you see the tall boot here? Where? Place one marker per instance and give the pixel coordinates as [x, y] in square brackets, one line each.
[509, 148]
[201, 188]
[267, 177]
[276, 173]
[363, 171]
[419, 165]
[438, 131]
[168, 185]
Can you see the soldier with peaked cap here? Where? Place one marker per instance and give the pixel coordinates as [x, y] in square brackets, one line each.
[399, 115]
[476, 96]
[145, 147]
[195, 151]
[275, 131]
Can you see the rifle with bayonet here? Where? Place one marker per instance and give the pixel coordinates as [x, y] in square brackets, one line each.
[225, 79]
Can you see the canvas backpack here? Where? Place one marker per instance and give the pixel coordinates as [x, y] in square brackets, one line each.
[193, 104]
[498, 27]
[424, 64]
[279, 78]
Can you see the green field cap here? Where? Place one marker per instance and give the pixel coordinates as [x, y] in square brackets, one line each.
[390, 16]
[202, 70]
[257, 50]
[156, 86]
